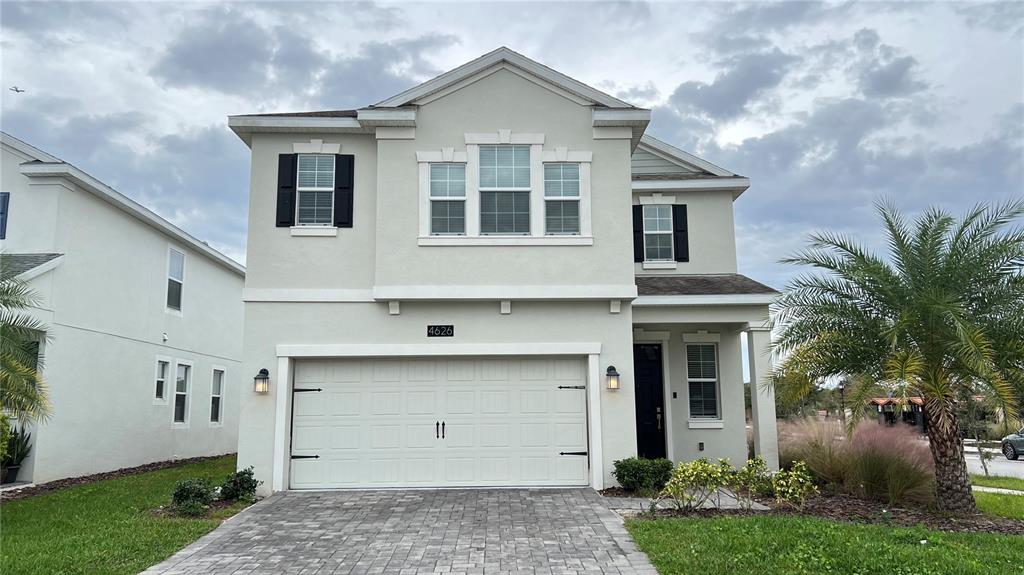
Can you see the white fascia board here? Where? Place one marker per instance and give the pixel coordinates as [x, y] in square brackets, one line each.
[387, 116]
[28, 149]
[509, 292]
[41, 269]
[129, 206]
[740, 184]
[253, 123]
[502, 54]
[614, 117]
[665, 149]
[437, 349]
[701, 300]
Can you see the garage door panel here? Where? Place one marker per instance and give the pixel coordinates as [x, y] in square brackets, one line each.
[374, 423]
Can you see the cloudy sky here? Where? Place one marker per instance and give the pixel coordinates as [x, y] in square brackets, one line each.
[825, 106]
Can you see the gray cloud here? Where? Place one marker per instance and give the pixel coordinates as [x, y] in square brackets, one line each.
[744, 78]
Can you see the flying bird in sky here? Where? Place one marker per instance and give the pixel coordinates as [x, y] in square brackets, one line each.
[16, 90]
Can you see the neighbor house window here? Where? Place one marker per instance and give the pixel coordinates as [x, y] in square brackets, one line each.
[702, 379]
[658, 233]
[562, 199]
[216, 393]
[505, 189]
[316, 190]
[447, 199]
[5, 202]
[175, 278]
[162, 368]
[182, 384]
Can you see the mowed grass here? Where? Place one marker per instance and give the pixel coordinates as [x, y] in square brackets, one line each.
[998, 481]
[106, 527]
[804, 545]
[1001, 504]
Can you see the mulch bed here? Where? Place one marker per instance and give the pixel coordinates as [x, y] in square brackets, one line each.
[847, 508]
[72, 481]
[165, 511]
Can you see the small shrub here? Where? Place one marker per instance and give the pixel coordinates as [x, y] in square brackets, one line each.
[751, 480]
[192, 497]
[794, 486]
[695, 483]
[239, 485]
[643, 475]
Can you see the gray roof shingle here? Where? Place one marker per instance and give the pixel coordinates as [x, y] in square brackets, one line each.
[13, 265]
[711, 284]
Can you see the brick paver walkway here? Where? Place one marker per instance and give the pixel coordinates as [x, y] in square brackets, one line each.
[501, 531]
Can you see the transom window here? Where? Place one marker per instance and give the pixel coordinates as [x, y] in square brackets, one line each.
[182, 383]
[175, 278]
[315, 190]
[561, 198]
[216, 393]
[702, 379]
[658, 233]
[447, 198]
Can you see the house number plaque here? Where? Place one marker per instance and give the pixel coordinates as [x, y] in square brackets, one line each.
[440, 330]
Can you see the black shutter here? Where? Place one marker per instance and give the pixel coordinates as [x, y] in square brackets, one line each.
[344, 178]
[286, 166]
[679, 234]
[638, 233]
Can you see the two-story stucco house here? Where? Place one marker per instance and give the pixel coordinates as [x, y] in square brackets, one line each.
[144, 322]
[494, 278]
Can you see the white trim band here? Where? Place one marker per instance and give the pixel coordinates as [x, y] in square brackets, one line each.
[439, 349]
[509, 292]
[307, 295]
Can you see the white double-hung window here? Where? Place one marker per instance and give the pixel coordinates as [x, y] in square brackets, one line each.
[447, 199]
[315, 188]
[175, 278]
[505, 189]
[562, 198]
[182, 386]
[702, 380]
[658, 233]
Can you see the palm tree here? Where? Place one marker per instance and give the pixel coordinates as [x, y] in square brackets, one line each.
[941, 314]
[22, 391]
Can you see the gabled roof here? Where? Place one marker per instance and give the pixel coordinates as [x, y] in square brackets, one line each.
[495, 57]
[682, 158]
[46, 165]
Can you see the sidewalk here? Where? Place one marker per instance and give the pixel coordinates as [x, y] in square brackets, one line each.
[996, 490]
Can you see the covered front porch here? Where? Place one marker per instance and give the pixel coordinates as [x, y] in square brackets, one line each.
[690, 354]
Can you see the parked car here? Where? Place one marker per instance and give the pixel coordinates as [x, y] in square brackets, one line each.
[1013, 444]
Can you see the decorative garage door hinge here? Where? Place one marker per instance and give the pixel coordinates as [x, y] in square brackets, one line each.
[572, 387]
[305, 457]
[301, 389]
[572, 452]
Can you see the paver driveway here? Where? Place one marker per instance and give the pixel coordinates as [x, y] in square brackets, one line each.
[543, 531]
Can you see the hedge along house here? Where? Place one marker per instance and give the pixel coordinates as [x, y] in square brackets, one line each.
[494, 278]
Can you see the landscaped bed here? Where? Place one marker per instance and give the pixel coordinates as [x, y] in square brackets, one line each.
[109, 526]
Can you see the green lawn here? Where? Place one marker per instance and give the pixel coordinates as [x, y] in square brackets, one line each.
[998, 481]
[103, 527]
[1001, 504]
[803, 546]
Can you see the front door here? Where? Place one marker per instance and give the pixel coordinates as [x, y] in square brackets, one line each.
[650, 400]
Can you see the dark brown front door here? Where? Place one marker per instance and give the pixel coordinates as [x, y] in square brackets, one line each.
[650, 400]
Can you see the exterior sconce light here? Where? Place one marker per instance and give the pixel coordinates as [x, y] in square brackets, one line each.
[612, 378]
[261, 383]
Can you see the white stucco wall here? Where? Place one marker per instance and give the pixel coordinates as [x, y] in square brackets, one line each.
[711, 231]
[105, 305]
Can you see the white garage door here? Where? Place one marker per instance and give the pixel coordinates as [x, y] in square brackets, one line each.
[439, 422]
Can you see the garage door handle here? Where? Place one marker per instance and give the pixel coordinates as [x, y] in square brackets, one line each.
[437, 430]
[305, 457]
[572, 452]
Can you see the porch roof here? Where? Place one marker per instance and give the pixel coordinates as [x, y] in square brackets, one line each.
[705, 284]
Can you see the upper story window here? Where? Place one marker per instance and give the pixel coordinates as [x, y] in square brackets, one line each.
[702, 379]
[505, 189]
[562, 198]
[447, 198]
[315, 189]
[658, 233]
[5, 202]
[175, 278]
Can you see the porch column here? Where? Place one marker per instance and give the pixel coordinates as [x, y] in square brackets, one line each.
[762, 398]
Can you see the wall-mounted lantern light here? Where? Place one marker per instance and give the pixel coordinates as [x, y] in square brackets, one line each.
[612, 378]
[261, 383]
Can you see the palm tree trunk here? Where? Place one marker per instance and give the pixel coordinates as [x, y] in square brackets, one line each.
[952, 484]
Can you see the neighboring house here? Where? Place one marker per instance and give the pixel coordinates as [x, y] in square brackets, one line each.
[913, 412]
[142, 355]
[494, 278]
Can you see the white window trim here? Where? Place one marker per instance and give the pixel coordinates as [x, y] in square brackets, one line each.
[696, 421]
[552, 158]
[167, 277]
[471, 156]
[167, 379]
[223, 388]
[188, 392]
[299, 189]
[669, 233]
[431, 198]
